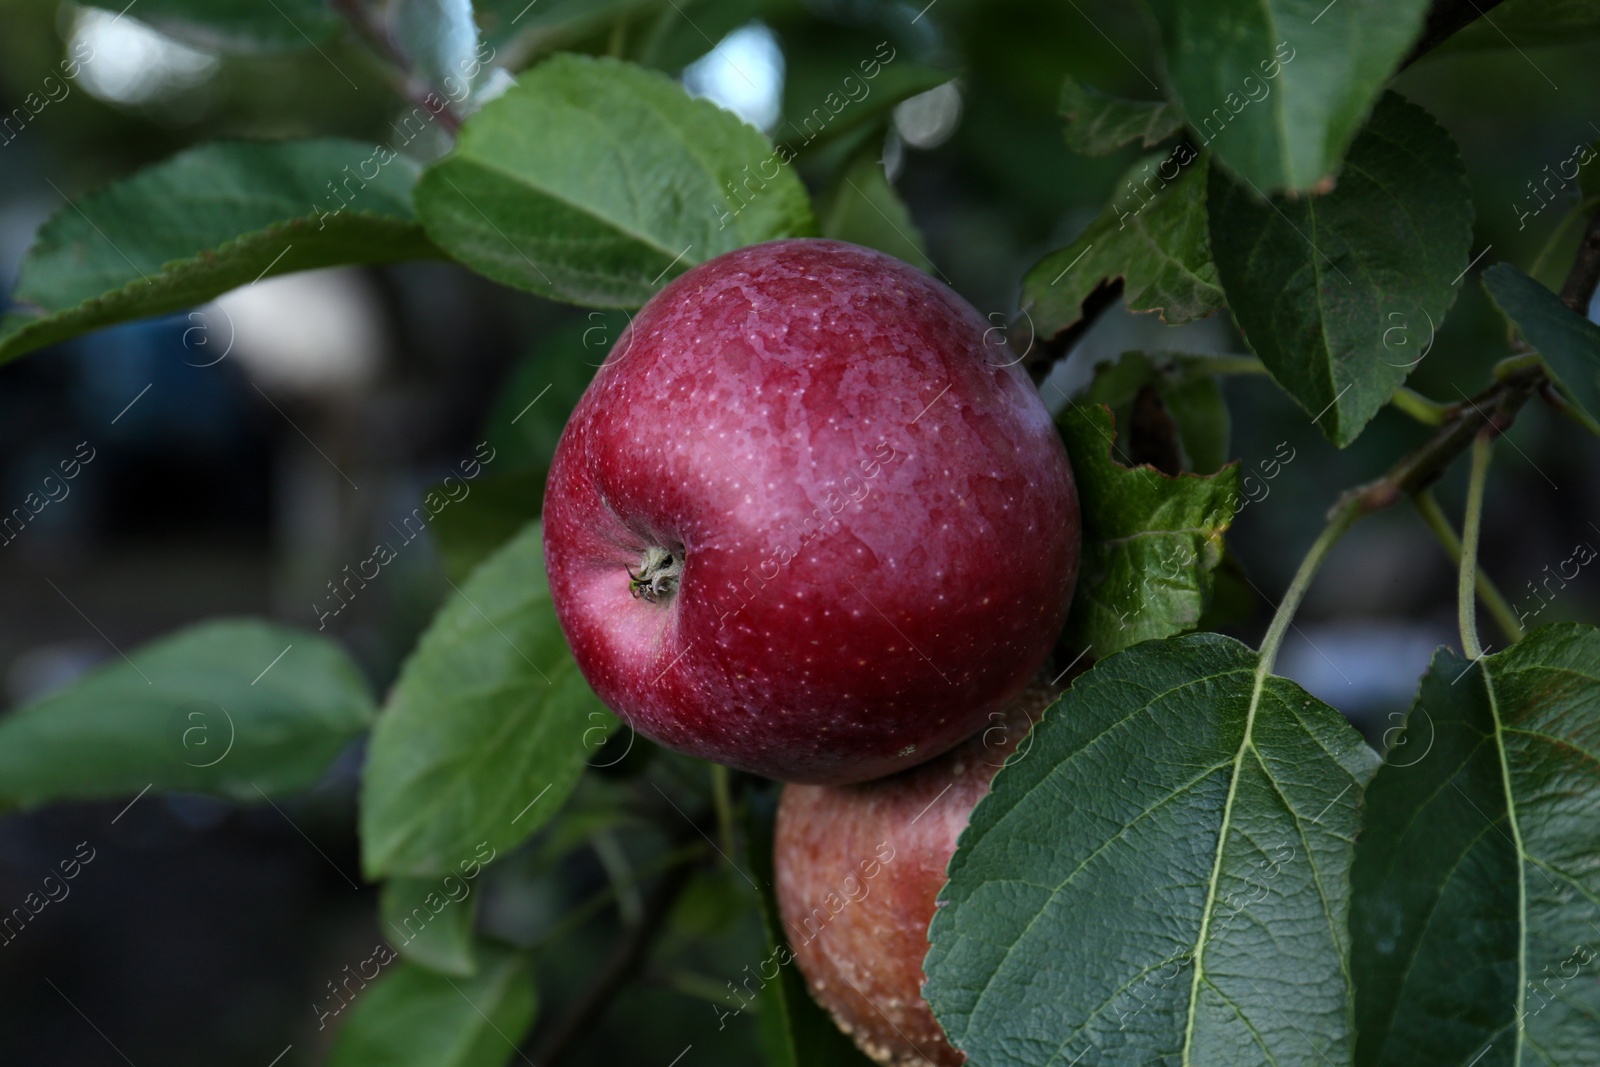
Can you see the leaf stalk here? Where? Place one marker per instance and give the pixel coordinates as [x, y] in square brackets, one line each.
[1466, 601]
[1493, 600]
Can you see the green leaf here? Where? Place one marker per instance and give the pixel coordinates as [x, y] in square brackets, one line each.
[487, 729]
[1162, 879]
[414, 1017]
[1532, 23]
[795, 1030]
[1277, 88]
[551, 24]
[596, 182]
[824, 101]
[1316, 283]
[440, 39]
[430, 920]
[1150, 541]
[1476, 919]
[1098, 123]
[235, 707]
[1187, 386]
[1152, 236]
[206, 221]
[499, 506]
[533, 406]
[864, 209]
[1569, 343]
[236, 25]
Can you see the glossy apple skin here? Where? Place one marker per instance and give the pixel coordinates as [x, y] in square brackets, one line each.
[876, 519]
[859, 868]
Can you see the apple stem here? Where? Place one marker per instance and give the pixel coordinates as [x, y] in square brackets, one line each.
[658, 574]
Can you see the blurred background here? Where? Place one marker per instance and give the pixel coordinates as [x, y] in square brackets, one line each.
[234, 459]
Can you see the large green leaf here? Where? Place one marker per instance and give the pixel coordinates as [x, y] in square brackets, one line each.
[414, 1017]
[1277, 88]
[235, 707]
[1315, 283]
[1099, 124]
[1163, 878]
[596, 182]
[487, 729]
[1152, 236]
[1569, 343]
[1150, 540]
[864, 209]
[236, 25]
[1476, 918]
[208, 220]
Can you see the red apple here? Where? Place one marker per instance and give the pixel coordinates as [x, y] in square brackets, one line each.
[805, 521]
[858, 870]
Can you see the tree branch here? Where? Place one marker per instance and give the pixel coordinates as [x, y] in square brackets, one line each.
[1578, 290]
[1047, 352]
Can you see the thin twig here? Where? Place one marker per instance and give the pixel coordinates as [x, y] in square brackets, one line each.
[1578, 290]
[1050, 350]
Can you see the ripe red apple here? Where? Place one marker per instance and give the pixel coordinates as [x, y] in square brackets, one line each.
[805, 521]
[858, 870]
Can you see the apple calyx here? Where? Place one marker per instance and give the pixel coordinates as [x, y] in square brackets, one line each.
[658, 575]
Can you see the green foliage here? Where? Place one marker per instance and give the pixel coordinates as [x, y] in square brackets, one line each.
[1162, 877]
[487, 728]
[430, 921]
[1318, 283]
[1185, 864]
[596, 182]
[1529, 23]
[1277, 88]
[240, 708]
[826, 102]
[1150, 540]
[1188, 389]
[414, 1017]
[236, 25]
[1569, 343]
[1152, 236]
[1099, 124]
[864, 209]
[499, 506]
[554, 23]
[209, 220]
[532, 408]
[1477, 898]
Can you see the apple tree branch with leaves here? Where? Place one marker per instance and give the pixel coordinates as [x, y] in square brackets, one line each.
[1044, 805]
